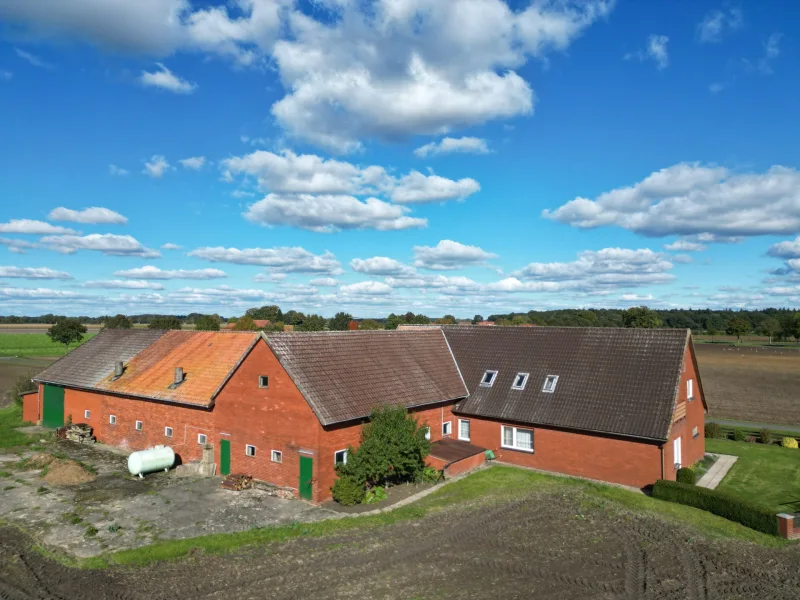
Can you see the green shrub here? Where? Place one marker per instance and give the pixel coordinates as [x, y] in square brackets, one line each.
[751, 439]
[766, 436]
[789, 442]
[686, 475]
[739, 435]
[713, 430]
[392, 449]
[431, 475]
[376, 494]
[729, 507]
[91, 531]
[347, 491]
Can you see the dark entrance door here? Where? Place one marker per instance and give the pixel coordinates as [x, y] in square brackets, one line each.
[306, 475]
[53, 406]
[225, 457]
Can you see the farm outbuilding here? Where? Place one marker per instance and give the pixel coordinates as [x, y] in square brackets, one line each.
[618, 405]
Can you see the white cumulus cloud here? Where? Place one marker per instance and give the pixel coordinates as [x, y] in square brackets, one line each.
[448, 254]
[166, 80]
[195, 163]
[107, 243]
[151, 272]
[717, 23]
[449, 145]
[381, 265]
[95, 215]
[287, 259]
[33, 273]
[656, 50]
[32, 227]
[123, 284]
[369, 288]
[156, 166]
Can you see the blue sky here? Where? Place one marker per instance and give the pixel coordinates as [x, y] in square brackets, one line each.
[473, 156]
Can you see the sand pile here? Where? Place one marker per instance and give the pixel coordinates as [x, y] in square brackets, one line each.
[39, 461]
[67, 472]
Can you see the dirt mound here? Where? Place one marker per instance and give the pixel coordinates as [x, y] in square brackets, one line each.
[67, 472]
[39, 461]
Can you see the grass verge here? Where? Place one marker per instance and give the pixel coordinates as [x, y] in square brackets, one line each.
[488, 486]
[768, 475]
[11, 418]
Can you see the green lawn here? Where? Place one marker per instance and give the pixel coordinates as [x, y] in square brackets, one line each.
[33, 344]
[11, 417]
[488, 486]
[767, 475]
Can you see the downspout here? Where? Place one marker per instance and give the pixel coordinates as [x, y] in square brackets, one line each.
[661, 447]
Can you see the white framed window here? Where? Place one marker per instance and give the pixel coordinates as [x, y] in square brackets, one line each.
[463, 429]
[550, 384]
[112, 419]
[676, 450]
[340, 457]
[250, 450]
[167, 431]
[690, 389]
[263, 381]
[427, 433]
[447, 428]
[695, 432]
[139, 425]
[277, 456]
[87, 414]
[516, 438]
[519, 381]
[202, 439]
[488, 378]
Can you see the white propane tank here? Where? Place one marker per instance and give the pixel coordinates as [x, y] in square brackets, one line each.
[150, 460]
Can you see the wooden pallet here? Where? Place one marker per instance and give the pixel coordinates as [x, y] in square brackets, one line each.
[237, 482]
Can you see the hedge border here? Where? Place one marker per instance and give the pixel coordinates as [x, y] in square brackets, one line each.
[721, 504]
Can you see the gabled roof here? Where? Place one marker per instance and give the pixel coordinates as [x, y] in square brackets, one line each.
[615, 381]
[344, 375]
[208, 359]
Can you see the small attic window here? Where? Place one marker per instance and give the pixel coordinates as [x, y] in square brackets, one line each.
[550, 384]
[263, 381]
[519, 381]
[488, 378]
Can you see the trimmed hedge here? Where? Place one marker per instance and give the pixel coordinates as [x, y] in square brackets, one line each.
[686, 475]
[729, 507]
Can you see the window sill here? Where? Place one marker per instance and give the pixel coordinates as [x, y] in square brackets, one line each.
[461, 439]
[517, 449]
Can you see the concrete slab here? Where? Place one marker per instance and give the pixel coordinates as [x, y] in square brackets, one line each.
[717, 472]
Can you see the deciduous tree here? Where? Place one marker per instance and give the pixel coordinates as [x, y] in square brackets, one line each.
[246, 323]
[118, 322]
[207, 323]
[738, 326]
[369, 324]
[312, 323]
[641, 317]
[67, 331]
[340, 321]
[770, 327]
[271, 313]
[166, 322]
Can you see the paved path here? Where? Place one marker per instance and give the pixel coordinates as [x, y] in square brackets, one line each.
[717, 471]
[754, 426]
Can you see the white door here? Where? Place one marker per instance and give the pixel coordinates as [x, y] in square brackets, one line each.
[676, 445]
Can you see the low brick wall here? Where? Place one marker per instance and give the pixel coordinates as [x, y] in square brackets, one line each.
[789, 526]
[458, 467]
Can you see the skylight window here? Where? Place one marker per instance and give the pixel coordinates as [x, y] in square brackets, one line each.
[488, 378]
[519, 381]
[550, 384]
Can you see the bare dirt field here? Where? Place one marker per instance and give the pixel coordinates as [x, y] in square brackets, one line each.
[546, 544]
[758, 384]
[13, 367]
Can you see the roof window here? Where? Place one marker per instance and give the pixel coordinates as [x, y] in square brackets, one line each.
[488, 378]
[519, 381]
[550, 384]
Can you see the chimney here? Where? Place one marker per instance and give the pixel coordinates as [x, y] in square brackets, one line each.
[118, 369]
[178, 375]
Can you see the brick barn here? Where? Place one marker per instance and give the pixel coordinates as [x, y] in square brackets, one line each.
[619, 405]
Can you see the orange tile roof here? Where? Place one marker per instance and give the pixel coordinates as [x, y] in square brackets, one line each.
[208, 359]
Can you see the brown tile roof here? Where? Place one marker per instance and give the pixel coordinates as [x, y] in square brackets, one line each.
[208, 358]
[450, 450]
[344, 375]
[90, 362]
[617, 381]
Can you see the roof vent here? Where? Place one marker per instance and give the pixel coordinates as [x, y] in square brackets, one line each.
[178, 376]
[118, 368]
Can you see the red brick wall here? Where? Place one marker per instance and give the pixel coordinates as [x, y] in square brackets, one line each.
[693, 447]
[608, 459]
[30, 407]
[273, 418]
[462, 466]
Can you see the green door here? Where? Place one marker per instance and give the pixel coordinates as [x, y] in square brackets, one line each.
[306, 475]
[225, 457]
[53, 409]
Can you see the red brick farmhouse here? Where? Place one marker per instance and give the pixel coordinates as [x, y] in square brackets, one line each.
[618, 405]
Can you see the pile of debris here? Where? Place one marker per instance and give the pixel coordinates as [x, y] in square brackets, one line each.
[237, 482]
[79, 432]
